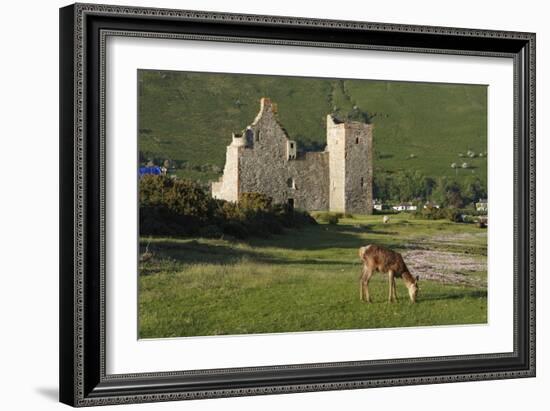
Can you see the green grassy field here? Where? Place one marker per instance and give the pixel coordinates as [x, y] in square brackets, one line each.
[189, 117]
[308, 280]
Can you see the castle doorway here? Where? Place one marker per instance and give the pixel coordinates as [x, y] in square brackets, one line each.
[291, 204]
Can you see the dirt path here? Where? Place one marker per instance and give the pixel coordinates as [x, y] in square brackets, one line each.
[446, 267]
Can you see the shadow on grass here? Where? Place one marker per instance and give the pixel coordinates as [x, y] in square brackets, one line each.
[195, 252]
[324, 236]
[453, 296]
[312, 238]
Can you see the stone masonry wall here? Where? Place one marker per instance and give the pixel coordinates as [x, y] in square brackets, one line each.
[337, 179]
[337, 171]
[358, 168]
[310, 174]
[227, 187]
[262, 163]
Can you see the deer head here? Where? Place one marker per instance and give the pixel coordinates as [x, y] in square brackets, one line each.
[413, 289]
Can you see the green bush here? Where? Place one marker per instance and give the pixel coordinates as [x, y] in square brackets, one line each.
[182, 197]
[255, 202]
[159, 220]
[211, 231]
[181, 208]
[235, 229]
[469, 219]
[432, 213]
[454, 215]
[329, 218]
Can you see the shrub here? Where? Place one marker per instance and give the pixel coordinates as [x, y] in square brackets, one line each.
[159, 220]
[255, 202]
[431, 213]
[355, 114]
[329, 218]
[182, 197]
[181, 207]
[235, 229]
[454, 215]
[469, 219]
[211, 231]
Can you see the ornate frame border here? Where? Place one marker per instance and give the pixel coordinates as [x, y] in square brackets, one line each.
[83, 379]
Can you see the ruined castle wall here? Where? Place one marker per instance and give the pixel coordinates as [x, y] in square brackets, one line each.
[337, 149]
[265, 166]
[304, 179]
[358, 173]
[264, 160]
[310, 175]
[262, 163]
[227, 187]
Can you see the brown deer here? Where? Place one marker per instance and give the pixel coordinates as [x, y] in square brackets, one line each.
[377, 258]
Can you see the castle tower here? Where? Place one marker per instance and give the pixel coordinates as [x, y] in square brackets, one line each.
[350, 150]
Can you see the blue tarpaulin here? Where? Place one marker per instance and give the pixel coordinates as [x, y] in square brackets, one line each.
[155, 170]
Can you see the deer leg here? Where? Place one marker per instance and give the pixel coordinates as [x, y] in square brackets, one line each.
[366, 285]
[393, 288]
[361, 280]
[390, 281]
[361, 285]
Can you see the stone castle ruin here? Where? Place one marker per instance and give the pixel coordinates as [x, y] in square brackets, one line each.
[263, 159]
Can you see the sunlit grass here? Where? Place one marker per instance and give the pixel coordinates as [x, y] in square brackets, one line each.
[304, 280]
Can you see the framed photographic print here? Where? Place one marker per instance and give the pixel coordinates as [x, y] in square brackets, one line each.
[261, 204]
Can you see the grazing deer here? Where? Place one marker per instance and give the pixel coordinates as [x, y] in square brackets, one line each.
[376, 258]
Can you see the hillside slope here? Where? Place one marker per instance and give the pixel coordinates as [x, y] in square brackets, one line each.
[189, 117]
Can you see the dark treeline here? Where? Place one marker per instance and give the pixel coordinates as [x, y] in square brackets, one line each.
[413, 186]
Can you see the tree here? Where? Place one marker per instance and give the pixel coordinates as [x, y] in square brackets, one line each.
[447, 193]
[473, 189]
[453, 195]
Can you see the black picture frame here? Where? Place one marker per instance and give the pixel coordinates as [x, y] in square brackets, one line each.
[83, 381]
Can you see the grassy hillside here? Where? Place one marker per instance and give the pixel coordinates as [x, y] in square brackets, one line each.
[189, 117]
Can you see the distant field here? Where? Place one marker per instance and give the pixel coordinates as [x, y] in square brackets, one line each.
[189, 117]
[308, 280]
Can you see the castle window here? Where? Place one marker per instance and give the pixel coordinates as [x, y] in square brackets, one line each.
[291, 150]
[362, 182]
[249, 133]
[356, 140]
[258, 135]
[291, 183]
